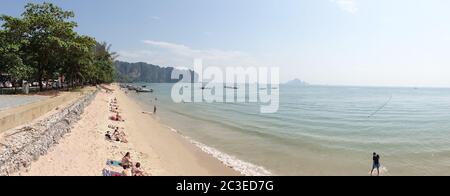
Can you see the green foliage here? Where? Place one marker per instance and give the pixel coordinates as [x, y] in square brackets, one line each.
[104, 62]
[43, 45]
[10, 58]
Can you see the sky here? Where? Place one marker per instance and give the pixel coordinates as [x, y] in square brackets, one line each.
[327, 42]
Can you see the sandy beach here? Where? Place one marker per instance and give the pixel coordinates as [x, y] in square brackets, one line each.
[160, 151]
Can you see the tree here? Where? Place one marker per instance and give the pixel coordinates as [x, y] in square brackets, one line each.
[104, 62]
[42, 44]
[78, 59]
[46, 31]
[10, 57]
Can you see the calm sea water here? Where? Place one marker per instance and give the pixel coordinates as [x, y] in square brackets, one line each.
[8, 101]
[322, 130]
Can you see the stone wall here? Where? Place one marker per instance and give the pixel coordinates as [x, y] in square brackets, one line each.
[20, 147]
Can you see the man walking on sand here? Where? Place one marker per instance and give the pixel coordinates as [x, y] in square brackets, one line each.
[154, 109]
[376, 164]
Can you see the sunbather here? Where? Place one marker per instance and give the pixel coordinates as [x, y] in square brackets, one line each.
[119, 136]
[108, 135]
[117, 117]
[137, 170]
[121, 133]
[126, 161]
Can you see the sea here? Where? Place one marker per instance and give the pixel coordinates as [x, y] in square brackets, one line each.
[318, 130]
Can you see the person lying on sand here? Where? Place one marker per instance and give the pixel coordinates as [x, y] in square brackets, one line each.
[116, 136]
[117, 117]
[108, 135]
[120, 136]
[137, 170]
[121, 133]
[113, 127]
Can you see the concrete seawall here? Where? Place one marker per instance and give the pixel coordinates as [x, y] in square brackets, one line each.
[20, 147]
[20, 115]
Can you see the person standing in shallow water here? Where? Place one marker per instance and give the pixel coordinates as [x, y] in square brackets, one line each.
[376, 164]
[154, 107]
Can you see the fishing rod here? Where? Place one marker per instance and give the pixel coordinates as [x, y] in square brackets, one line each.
[380, 108]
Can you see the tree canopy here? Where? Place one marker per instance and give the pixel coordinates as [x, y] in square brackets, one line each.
[42, 45]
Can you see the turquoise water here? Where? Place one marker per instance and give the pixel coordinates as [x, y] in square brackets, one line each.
[9, 101]
[322, 130]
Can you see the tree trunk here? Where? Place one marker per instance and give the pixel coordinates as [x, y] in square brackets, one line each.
[40, 75]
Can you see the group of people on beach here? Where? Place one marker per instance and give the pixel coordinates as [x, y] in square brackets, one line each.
[129, 168]
[118, 136]
[114, 108]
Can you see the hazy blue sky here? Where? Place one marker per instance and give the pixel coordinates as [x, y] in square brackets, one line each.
[343, 42]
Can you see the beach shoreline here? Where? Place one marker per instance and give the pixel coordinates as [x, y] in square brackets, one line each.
[161, 152]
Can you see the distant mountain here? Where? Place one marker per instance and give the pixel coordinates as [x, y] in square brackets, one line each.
[143, 72]
[297, 82]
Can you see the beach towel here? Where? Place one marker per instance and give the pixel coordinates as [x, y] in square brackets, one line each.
[106, 172]
[113, 163]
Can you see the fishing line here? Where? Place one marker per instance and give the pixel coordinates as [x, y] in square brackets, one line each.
[380, 108]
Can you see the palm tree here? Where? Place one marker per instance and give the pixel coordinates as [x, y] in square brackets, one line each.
[104, 60]
[103, 51]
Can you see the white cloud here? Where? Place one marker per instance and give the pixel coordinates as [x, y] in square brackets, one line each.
[167, 45]
[349, 6]
[172, 54]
